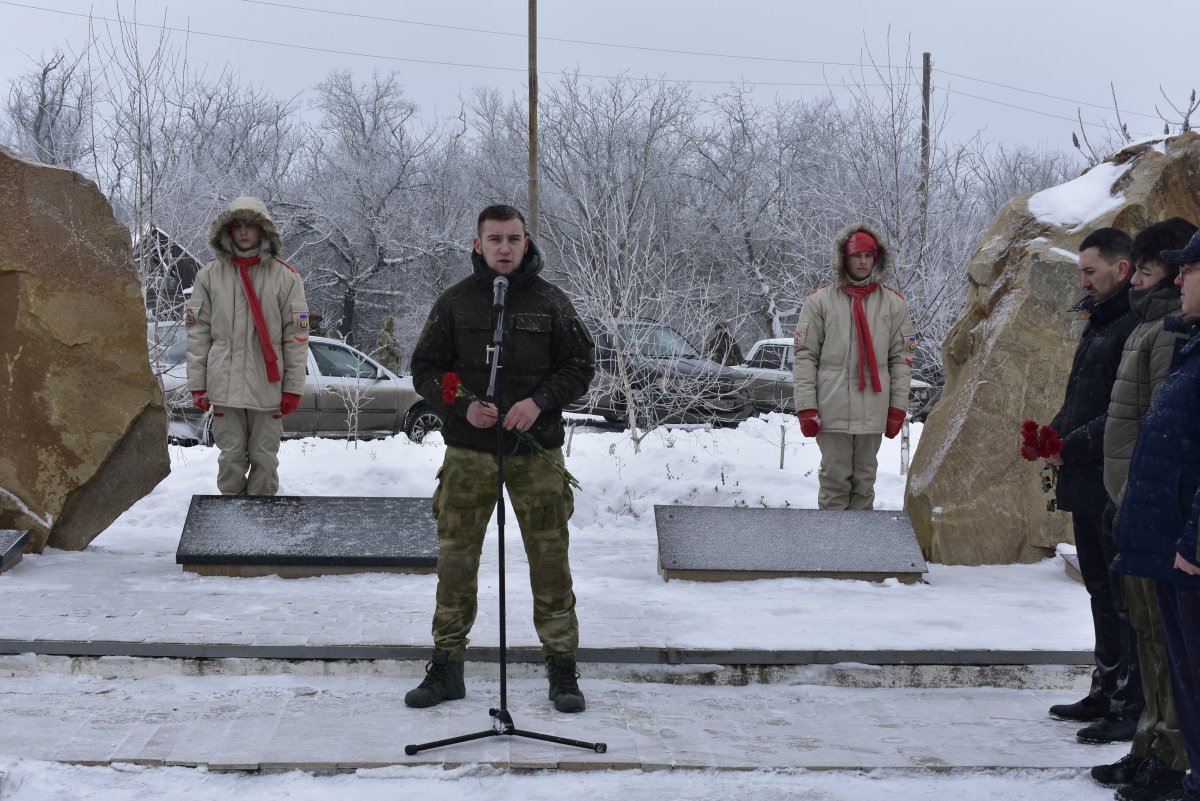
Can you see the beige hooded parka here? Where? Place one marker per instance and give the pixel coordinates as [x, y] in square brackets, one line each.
[825, 370]
[224, 355]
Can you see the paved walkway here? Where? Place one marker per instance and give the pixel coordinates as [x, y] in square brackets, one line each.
[341, 723]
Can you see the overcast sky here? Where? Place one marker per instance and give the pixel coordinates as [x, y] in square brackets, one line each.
[1057, 55]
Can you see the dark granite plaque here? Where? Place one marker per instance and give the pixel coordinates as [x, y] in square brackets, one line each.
[12, 547]
[295, 537]
[711, 543]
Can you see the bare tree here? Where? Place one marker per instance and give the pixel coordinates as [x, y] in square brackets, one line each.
[362, 176]
[50, 109]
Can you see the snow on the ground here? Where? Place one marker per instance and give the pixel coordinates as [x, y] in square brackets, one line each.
[40, 781]
[126, 585]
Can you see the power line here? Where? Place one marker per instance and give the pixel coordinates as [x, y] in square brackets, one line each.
[1050, 96]
[357, 54]
[334, 51]
[553, 38]
[706, 54]
[1033, 111]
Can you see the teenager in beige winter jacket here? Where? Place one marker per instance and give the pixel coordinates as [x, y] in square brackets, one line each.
[854, 347]
[247, 324]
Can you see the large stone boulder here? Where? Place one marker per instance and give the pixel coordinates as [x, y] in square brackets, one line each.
[82, 426]
[970, 496]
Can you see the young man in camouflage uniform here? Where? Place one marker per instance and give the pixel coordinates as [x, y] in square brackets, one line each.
[853, 367]
[548, 362]
[247, 329]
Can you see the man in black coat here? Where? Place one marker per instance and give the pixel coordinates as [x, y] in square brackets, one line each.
[1114, 701]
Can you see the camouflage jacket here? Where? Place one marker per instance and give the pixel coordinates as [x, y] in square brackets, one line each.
[547, 353]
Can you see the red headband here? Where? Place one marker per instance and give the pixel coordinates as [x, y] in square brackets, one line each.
[860, 242]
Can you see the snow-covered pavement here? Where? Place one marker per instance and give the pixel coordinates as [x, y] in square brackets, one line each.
[803, 732]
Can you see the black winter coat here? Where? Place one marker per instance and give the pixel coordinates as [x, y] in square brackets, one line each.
[547, 353]
[1081, 420]
[1161, 509]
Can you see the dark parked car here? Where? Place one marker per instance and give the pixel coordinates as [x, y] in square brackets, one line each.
[671, 381]
[339, 378]
[768, 369]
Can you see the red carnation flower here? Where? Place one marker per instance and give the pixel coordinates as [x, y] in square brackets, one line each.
[451, 384]
[1051, 443]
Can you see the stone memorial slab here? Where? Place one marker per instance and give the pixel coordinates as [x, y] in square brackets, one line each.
[12, 547]
[298, 537]
[710, 543]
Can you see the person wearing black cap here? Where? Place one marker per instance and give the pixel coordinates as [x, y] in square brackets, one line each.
[1157, 527]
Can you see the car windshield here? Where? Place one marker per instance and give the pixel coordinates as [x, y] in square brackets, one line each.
[656, 342]
[337, 362]
[167, 343]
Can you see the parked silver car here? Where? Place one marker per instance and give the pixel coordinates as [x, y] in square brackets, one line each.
[346, 393]
[768, 370]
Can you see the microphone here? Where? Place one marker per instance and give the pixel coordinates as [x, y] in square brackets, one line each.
[499, 292]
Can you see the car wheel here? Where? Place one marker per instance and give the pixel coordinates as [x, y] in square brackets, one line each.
[421, 419]
[644, 408]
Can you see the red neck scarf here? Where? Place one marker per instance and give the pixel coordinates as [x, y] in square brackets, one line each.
[270, 358]
[866, 347]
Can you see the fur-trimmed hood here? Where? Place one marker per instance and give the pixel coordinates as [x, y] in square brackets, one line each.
[883, 261]
[252, 210]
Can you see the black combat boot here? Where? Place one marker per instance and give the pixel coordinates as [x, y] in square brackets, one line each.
[1109, 729]
[1084, 711]
[1154, 782]
[564, 684]
[443, 682]
[1123, 771]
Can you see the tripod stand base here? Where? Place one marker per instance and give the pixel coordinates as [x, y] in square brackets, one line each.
[502, 724]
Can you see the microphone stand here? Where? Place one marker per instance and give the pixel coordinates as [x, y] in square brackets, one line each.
[502, 722]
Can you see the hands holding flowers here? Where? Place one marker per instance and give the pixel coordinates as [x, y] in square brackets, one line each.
[519, 419]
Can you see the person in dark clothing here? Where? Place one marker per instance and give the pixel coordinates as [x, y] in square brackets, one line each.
[1157, 759]
[548, 362]
[1114, 700]
[1160, 514]
[722, 348]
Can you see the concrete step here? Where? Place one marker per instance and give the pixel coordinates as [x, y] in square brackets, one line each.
[332, 724]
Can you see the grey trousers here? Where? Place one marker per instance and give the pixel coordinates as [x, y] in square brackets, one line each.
[848, 466]
[249, 445]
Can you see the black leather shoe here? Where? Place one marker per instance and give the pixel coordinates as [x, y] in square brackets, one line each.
[1154, 782]
[1109, 729]
[1123, 771]
[1084, 711]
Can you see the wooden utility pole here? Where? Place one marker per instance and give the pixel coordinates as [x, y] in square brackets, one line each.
[926, 74]
[533, 130]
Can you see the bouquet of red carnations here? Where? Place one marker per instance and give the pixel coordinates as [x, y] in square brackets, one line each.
[1039, 441]
[453, 389]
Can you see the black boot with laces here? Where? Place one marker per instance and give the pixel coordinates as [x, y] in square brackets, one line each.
[564, 683]
[443, 682]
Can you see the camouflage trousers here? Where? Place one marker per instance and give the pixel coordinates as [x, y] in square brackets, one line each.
[463, 505]
[1158, 727]
[249, 443]
[849, 463]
